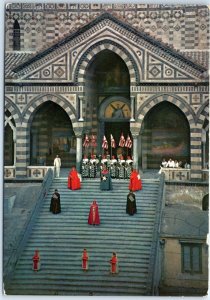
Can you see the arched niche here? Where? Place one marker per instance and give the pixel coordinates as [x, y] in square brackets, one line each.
[165, 134]
[51, 134]
[9, 139]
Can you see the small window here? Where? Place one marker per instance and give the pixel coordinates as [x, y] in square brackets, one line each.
[191, 258]
[16, 36]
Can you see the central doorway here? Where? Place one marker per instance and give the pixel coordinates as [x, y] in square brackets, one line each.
[107, 91]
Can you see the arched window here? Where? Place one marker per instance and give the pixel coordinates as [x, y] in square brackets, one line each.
[16, 36]
[9, 139]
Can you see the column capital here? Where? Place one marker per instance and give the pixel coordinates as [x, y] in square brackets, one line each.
[135, 135]
[78, 132]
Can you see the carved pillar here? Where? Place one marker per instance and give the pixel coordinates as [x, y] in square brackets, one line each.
[135, 151]
[78, 151]
[81, 108]
[132, 119]
[135, 128]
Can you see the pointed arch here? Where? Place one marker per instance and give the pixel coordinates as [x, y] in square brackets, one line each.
[13, 109]
[91, 52]
[32, 107]
[16, 36]
[174, 99]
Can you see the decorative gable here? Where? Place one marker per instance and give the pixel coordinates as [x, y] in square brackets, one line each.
[150, 60]
[55, 70]
[159, 69]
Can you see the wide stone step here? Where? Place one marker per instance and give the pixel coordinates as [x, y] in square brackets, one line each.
[75, 288]
[61, 239]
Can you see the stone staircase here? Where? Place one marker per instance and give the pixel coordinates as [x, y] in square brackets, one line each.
[61, 239]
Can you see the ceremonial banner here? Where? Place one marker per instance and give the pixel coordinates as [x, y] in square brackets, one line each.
[122, 141]
[113, 144]
[128, 142]
[104, 143]
[93, 141]
[86, 141]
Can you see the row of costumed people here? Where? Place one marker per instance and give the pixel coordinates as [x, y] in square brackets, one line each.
[74, 179]
[119, 168]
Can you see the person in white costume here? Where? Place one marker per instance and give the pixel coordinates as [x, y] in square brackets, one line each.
[57, 165]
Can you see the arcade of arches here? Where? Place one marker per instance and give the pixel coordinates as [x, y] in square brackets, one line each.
[105, 79]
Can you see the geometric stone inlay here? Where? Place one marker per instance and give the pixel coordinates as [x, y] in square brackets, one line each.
[155, 71]
[177, 27]
[196, 99]
[59, 72]
[203, 27]
[21, 99]
[169, 72]
[46, 73]
[36, 173]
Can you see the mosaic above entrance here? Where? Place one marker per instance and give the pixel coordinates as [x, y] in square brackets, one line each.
[117, 110]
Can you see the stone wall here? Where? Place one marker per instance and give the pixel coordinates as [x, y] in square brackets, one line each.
[172, 275]
[186, 194]
[183, 27]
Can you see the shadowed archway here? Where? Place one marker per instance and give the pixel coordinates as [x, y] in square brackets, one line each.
[51, 134]
[165, 134]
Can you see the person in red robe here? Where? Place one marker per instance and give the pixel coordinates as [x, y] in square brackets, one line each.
[74, 180]
[36, 261]
[114, 264]
[94, 218]
[85, 260]
[135, 181]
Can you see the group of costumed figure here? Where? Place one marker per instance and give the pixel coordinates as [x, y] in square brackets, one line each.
[119, 168]
[74, 183]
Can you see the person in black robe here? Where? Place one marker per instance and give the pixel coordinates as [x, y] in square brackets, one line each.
[55, 206]
[131, 204]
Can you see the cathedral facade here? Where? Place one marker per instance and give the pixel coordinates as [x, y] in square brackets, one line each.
[105, 69]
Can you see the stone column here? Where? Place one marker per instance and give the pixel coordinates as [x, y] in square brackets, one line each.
[132, 119]
[22, 150]
[204, 148]
[135, 151]
[78, 151]
[81, 108]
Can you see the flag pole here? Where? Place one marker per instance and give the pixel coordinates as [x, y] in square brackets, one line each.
[111, 146]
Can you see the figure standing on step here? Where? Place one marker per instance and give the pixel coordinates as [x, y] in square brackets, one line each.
[55, 205]
[57, 165]
[94, 218]
[131, 204]
[114, 264]
[74, 182]
[135, 181]
[106, 181]
[36, 261]
[85, 260]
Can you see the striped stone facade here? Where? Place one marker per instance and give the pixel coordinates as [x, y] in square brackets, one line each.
[58, 73]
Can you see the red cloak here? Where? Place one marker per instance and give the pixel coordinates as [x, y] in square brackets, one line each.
[135, 181]
[36, 261]
[114, 266]
[73, 180]
[94, 218]
[85, 260]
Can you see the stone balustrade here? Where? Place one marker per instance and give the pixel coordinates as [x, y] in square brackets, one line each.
[176, 174]
[38, 171]
[9, 172]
